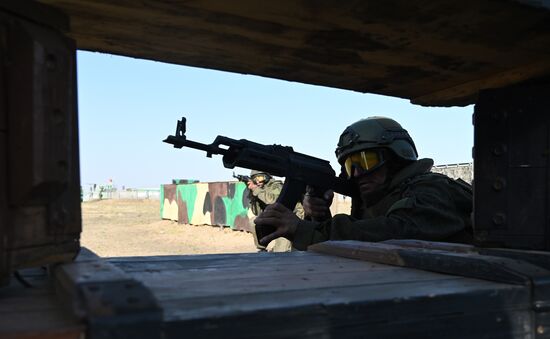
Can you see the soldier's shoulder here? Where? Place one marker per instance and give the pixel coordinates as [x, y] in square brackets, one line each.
[432, 179]
[274, 182]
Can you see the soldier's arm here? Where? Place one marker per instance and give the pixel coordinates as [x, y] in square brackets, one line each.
[427, 215]
[268, 194]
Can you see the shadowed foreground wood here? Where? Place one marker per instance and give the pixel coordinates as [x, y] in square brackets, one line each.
[304, 294]
[35, 311]
[275, 295]
[431, 52]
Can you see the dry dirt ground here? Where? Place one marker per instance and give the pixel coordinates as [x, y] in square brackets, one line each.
[113, 228]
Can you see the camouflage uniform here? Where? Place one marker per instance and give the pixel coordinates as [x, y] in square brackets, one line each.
[260, 197]
[418, 204]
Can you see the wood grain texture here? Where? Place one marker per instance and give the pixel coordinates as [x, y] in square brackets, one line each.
[297, 294]
[4, 261]
[314, 295]
[433, 53]
[38, 136]
[473, 265]
[35, 312]
[39, 13]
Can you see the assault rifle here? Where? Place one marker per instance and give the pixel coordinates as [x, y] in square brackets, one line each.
[299, 170]
[242, 178]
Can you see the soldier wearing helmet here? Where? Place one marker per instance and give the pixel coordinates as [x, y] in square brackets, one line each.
[399, 197]
[264, 190]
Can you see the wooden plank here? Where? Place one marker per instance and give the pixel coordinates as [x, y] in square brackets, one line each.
[50, 334]
[432, 245]
[69, 278]
[175, 286]
[213, 262]
[340, 296]
[193, 307]
[252, 279]
[35, 312]
[468, 265]
[339, 309]
[4, 261]
[352, 322]
[41, 116]
[39, 108]
[201, 257]
[102, 295]
[85, 254]
[406, 52]
[38, 318]
[358, 301]
[306, 294]
[250, 299]
[270, 272]
[3, 90]
[260, 263]
[4, 257]
[31, 303]
[34, 278]
[44, 251]
[539, 258]
[34, 11]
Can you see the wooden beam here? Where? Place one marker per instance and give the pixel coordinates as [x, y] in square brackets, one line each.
[449, 262]
[433, 53]
[102, 295]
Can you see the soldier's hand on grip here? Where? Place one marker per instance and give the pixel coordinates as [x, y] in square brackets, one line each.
[276, 216]
[317, 207]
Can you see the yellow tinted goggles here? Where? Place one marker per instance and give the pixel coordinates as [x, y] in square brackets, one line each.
[258, 178]
[364, 161]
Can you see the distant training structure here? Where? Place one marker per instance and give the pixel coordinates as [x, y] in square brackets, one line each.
[464, 171]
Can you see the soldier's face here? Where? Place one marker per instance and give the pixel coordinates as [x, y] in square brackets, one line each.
[370, 182]
[260, 182]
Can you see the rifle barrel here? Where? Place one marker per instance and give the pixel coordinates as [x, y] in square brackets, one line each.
[179, 142]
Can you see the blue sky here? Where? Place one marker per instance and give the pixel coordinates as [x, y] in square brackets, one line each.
[128, 106]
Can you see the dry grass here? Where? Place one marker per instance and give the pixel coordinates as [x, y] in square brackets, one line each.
[113, 228]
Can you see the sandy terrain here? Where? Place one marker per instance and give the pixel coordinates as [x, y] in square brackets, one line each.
[114, 228]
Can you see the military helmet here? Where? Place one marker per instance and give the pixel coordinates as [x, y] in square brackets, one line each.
[376, 132]
[261, 175]
[255, 172]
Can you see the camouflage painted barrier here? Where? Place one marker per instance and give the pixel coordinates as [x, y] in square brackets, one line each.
[226, 203]
[217, 203]
[214, 203]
